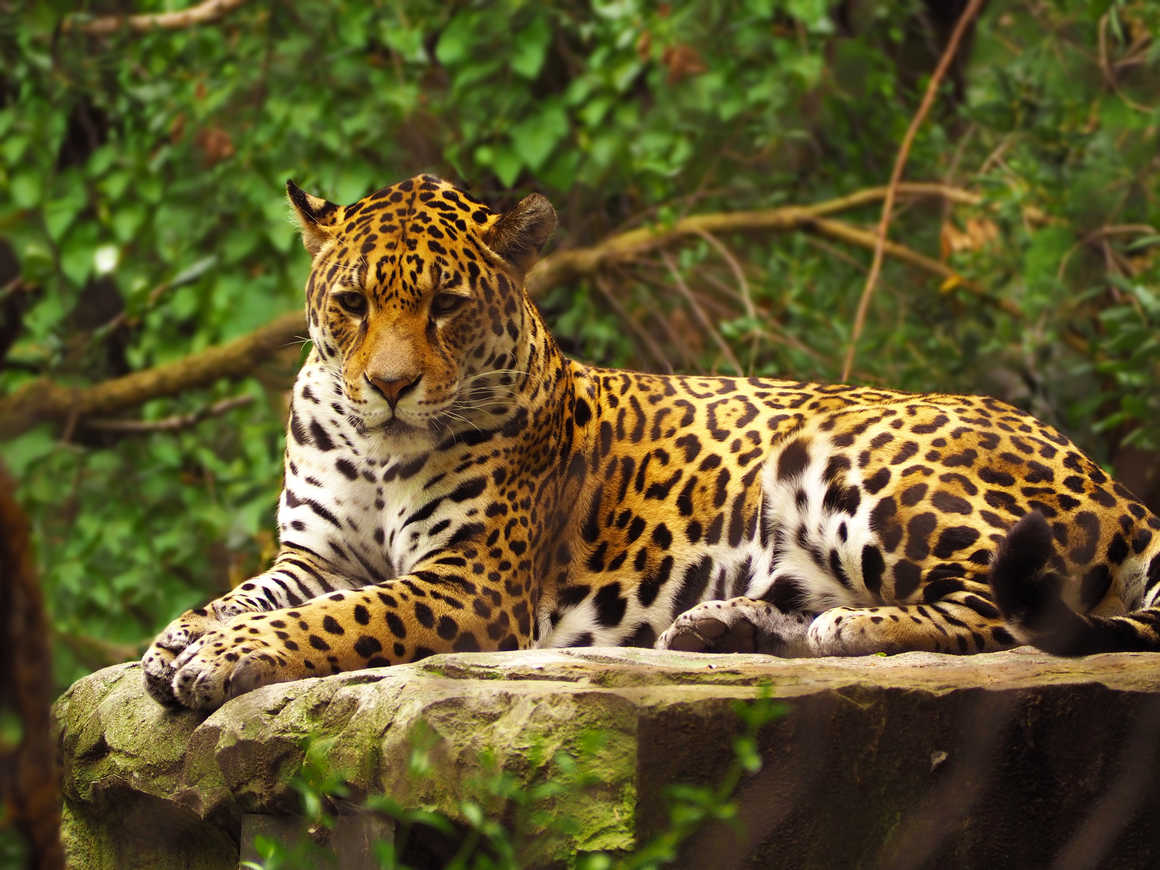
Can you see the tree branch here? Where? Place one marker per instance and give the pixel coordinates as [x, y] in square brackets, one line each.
[168, 424]
[46, 400]
[896, 177]
[564, 265]
[202, 13]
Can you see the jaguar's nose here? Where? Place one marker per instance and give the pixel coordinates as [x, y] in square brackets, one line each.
[392, 389]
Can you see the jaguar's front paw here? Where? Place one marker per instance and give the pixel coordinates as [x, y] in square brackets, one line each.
[230, 661]
[737, 625]
[176, 638]
[159, 661]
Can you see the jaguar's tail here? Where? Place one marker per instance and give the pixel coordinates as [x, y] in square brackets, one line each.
[1027, 592]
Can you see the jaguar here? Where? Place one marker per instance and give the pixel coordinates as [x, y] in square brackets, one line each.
[454, 482]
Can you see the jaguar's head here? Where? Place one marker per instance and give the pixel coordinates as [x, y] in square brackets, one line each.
[415, 300]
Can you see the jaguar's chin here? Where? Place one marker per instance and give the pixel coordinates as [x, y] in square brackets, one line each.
[396, 436]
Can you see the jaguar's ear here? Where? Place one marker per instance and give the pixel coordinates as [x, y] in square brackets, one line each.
[314, 215]
[520, 233]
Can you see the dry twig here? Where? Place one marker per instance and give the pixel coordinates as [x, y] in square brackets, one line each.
[168, 424]
[699, 313]
[202, 13]
[896, 177]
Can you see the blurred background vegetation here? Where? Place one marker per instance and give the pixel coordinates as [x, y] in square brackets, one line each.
[142, 220]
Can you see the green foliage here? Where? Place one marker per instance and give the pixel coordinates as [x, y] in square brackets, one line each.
[140, 179]
[488, 831]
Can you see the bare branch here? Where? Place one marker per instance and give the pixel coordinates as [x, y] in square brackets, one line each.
[168, 424]
[642, 335]
[564, 265]
[48, 400]
[699, 313]
[951, 278]
[896, 176]
[202, 13]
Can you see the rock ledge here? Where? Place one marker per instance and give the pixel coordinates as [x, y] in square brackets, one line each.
[1003, 759]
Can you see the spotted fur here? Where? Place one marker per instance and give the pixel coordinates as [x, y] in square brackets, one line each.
[454, 482]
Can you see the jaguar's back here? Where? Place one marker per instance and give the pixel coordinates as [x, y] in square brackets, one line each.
[453, 482]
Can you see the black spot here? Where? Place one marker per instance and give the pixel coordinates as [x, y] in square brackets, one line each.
[367, 646]
[466, 642]
[953, 539]
[937, 589]
[873, 567]
[791, 462]
[1089, 524]
[647, 591]
[999, 478]
[644, 636]
[596, 559]
[610, 606]
[838, 570]
[424, 615]
[1117, 549]
[912, 495]
[906, 579]
[878, 480]
[468, 489]
[787, 594]
[446, 628]
[361, 615]
[835, 467]
[904, 453]
[951, 504]
[693, 585]
[398, 629]
[581, 413]
[321, 438]
[346, 467]
[318, 643]
[330, 625]
[918, 532]
[885, 525]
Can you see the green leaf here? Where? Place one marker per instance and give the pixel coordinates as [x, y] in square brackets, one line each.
[507, 165]
[531, 47]
[27, 188]
[60, 212]
[535, 138]
[455, 41]
[127, 220]
[77, 251]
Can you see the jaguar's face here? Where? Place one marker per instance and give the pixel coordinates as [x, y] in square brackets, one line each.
[415, 300]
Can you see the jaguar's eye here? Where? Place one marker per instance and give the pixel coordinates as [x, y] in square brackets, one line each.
[446, 303]
[352, 302]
